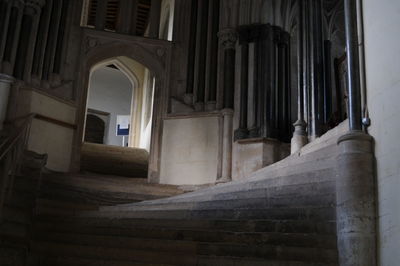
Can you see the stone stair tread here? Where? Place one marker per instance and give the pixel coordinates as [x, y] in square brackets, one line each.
[126, 225]
[307, 179]
[185, 258]
[315, 213]
[63, 249]
[266, 196]
[185, 239]
[233, 261]
[76, 261]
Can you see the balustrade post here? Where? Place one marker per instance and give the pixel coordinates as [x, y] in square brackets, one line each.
[355, 184]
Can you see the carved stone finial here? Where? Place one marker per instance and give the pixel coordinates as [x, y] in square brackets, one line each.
[228, 38]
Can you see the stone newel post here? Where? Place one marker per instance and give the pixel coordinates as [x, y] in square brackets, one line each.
[355, 185]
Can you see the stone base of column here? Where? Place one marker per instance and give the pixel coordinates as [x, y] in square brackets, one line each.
[226, 174]
[297, 142]
[355, 193]
[188, 99]
[199, 107]
[5, 88]
[211, 106]
[299, 139]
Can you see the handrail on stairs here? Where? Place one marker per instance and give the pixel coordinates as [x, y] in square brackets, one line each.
[12, 149]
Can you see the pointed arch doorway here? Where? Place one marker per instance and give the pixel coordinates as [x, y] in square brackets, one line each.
[120, 94]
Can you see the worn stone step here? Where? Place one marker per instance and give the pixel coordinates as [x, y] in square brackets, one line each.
[248, 203]
[314, 213]
[294, 195]
[176, 258]
[76, 261]
[126, 226]
[65, 204]
[16, 229]
[232, 261]
[306, 182]
[182, 240]
[16, 214]
[201, 261]
[271, 252]
[125, 254]
[12, 256]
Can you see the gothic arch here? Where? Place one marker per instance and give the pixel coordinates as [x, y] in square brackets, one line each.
[152, 54]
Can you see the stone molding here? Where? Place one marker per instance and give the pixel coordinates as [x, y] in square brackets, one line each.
[6, 78]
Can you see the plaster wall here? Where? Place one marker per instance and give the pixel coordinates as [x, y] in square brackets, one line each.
[382, 50]
[110, 91]
[46, 137]
[190, 148]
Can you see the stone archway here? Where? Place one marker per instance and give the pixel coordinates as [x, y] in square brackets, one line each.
[153, 54]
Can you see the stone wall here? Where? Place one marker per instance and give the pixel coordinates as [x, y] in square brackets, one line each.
[190, 151]
[47, 136]
[382, 49]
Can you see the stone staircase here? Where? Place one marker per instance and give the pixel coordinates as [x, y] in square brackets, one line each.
[283, 215]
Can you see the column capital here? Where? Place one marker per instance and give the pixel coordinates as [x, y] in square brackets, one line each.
[228, 38]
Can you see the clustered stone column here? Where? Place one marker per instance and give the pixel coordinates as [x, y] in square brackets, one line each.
[355, 185]
[265, 96]
[228, 38]
[201, 88]
[314, 80]
[10, 34]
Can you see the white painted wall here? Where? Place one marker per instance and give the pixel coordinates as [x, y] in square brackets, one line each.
[190, 149]
[110, 91]
[382, 48]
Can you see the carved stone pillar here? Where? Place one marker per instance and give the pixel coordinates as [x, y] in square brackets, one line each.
[50, 53]
[228, 38]
[5, 87]
[40, 48]
[201, 55]
[29, 28]
[300, 135]
[4, 21]
[12, 36]
[242, 131]
[212, 55]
